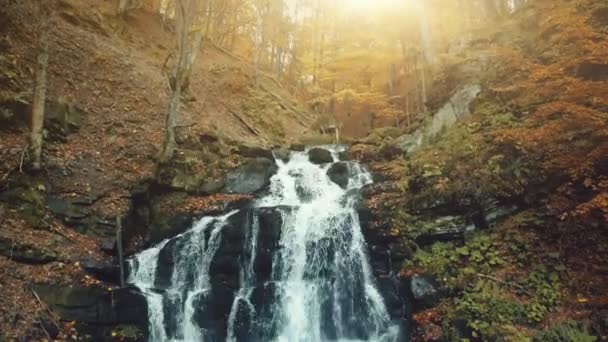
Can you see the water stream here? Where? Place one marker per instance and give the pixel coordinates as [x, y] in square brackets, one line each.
[292, 268]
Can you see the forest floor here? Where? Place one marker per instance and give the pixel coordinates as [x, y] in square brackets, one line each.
[107, 76]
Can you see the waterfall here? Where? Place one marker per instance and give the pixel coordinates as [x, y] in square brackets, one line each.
[291, 268]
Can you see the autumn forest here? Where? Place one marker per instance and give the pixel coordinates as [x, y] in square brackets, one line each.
[304, 170]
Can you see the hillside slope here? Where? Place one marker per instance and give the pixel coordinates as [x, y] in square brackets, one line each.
[111, 72]
[505, 212]
[106, 99]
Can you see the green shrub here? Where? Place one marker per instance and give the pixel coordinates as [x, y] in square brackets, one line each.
[566, 332]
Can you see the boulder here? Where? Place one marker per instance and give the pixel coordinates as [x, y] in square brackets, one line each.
[320, 156]
[339, 174]
[422, 291]
[189, 170]
[253, 176]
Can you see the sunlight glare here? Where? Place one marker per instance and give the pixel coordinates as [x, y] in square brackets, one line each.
[372, 4]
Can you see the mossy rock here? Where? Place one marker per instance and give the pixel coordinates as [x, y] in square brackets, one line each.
[12, 249]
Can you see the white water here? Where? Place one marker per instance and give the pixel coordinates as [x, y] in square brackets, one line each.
[323, 286]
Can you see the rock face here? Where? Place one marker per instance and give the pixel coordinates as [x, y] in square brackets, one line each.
[591, 71]
[320, 156]
[105, 270]
[253, 176]
[456, 109]
[100, 310]
[339, 174]
[249, 151]
[23, 253]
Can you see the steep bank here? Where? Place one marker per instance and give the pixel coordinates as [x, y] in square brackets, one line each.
[107, 95]
[503, 211]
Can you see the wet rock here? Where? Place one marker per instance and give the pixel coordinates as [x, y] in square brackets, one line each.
[165, 265]
[249, 151]
[423, 292]
[282, 154]
[211, 311]
[225, 266]
[24, 253]
[270, 222]
[320, 156]
[380, 260]
[267, 319]
[95, 305]
[388, 287]
[251, 177]
[344, 155]
[243, 320]
[339, 174]
[305, 193]
[103, 270]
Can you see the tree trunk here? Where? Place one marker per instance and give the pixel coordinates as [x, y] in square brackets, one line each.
[37, 119]
[185, 13]
[423, 85]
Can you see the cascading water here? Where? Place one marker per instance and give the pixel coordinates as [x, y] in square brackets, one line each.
[291, 268]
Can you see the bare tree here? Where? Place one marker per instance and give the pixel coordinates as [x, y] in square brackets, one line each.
[37, 118]
[186, 12]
